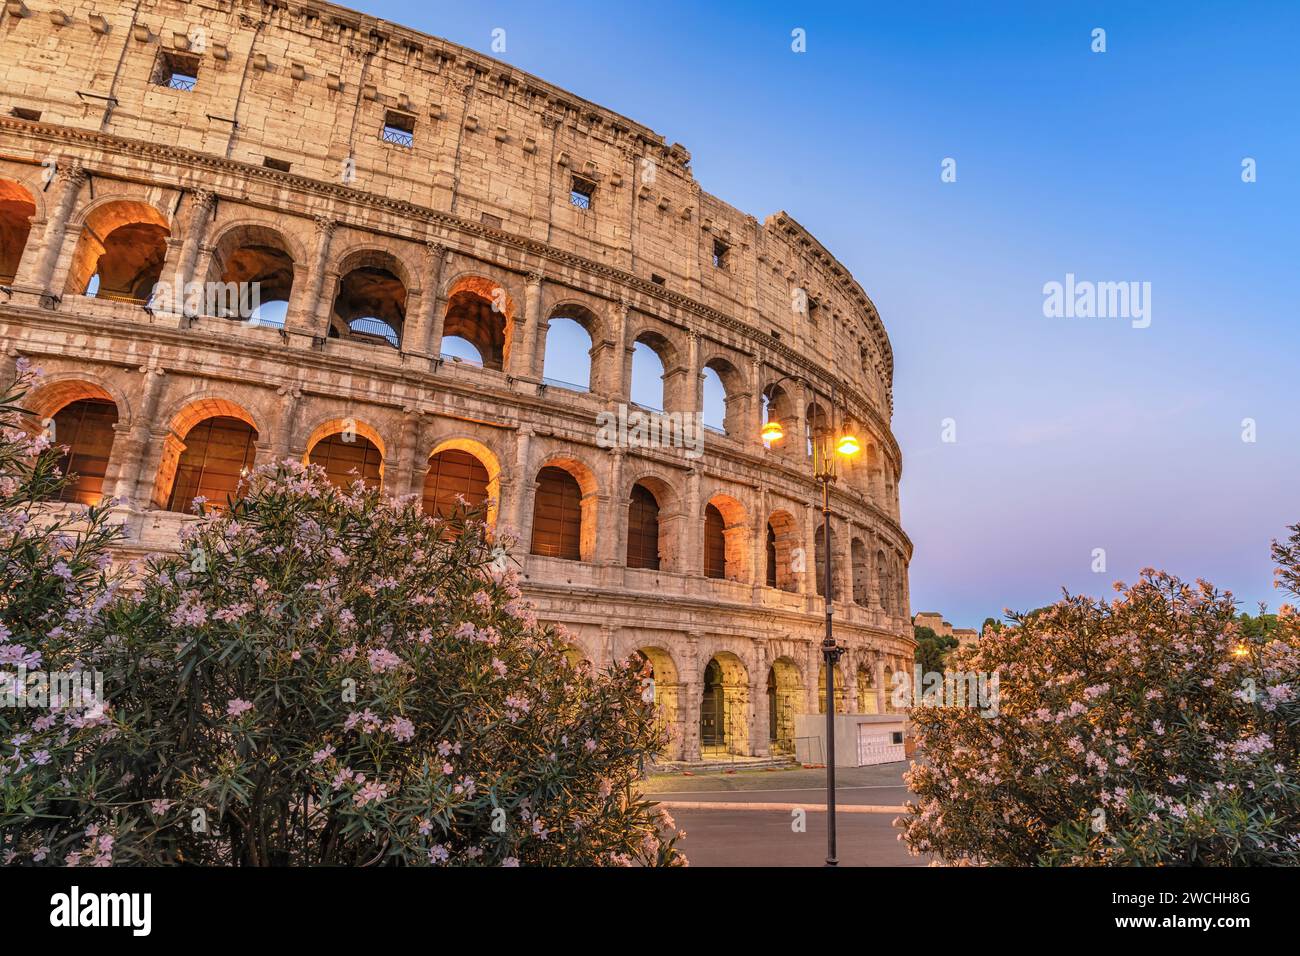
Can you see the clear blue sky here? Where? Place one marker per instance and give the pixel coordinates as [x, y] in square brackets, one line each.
[1072, 434]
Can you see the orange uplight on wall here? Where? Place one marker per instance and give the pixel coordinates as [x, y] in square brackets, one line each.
[773, 431]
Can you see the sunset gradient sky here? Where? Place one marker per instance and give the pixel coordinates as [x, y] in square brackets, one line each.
[1072, 434]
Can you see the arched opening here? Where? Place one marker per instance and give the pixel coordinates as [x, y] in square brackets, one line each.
[17, 209]
[841, 689]
[370, 303]
[723, 399]
[861, 573]
[251, 276]
[784, 693]
[647, 376]
[883, 586]
[643, 529]
[820, 544]
[725, 539]
[818, 424]
[120, 252]
[557, 515]
[784, 554]
[724, 707]
[478, 323]
[218, 452]
[867, 702]
[455, 479]
[347, 455]
[567, 361]
[715, 543]
[667, 690]
[574, 656]
[890, 706]
[85, 429]
[777, 406]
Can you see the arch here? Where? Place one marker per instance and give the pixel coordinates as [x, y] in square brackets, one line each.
[861, 573]
[17, 213]
[649, 387]
[120, 252]
[370, 298]
[779, 406]
[784, 701]
[723, 401]
[343, 446]
[564, 510]
[483, 456]
[820, 544]
[481, 312]
[643, 529]
[841, 689]
[56, 390]
[572, 334]
[867, 700]
[218, 452]
[724, 706]
[883, 587]
[782, 549]
[890, 706]
[668, 517]
[726, 539]
[454, 477]
[85, 427]
[818, 424]
[253, 255]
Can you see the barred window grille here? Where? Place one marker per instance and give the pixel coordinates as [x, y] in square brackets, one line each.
[581, 191]
[180, 81]
[399, 137]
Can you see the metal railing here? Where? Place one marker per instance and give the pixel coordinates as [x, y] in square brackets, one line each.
[180, 81]
[398, 137]
[558, 383]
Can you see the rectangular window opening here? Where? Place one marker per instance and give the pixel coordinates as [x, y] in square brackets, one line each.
[719, 254]
[581, 191]
[277, 164]
[399, 129]
[656, 278]
[26, 114]
[177, 71]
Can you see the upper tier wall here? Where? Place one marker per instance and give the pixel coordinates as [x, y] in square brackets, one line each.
[312, 84]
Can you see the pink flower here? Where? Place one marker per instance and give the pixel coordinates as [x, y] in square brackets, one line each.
[236, 707]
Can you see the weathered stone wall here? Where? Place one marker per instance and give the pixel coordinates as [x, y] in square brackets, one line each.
[478, 204]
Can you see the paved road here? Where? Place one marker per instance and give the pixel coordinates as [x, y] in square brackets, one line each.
[765, 837]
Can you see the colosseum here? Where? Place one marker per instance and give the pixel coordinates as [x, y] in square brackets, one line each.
[417, 222]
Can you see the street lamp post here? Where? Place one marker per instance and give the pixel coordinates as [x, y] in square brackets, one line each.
[824, 467]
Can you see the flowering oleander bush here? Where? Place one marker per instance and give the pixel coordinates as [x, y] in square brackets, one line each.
[54, 581]
[326, 676]
[1147, 730]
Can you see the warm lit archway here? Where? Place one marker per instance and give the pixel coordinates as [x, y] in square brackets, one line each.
[17, 209]
[481, 314]
[120, 252]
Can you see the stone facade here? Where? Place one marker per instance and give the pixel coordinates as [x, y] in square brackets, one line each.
[358, 166]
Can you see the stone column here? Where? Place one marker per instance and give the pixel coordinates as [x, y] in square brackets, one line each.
[754, 419]
[303, 322]
[518, 511]
[693, 538]
[70, 178]
[286, 419]
[130, 477]
[812, 519]
[415, 339]
[618, 362]
[528, 336]
[759, 549]
[201, 204]
[694, 374]
[408, 474]
[436, 303]
[882, 692]
[616, 520]
[692, 688]
[760, 731]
